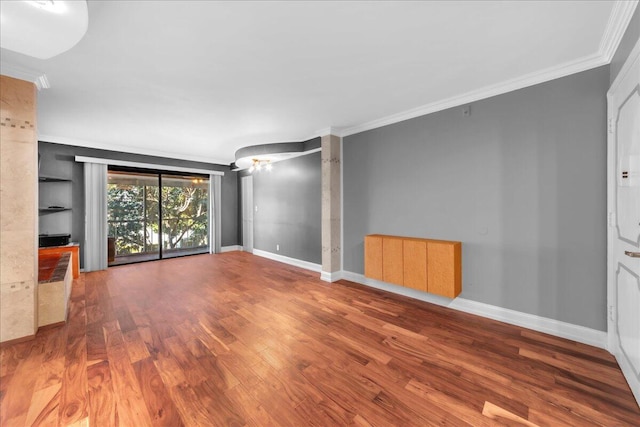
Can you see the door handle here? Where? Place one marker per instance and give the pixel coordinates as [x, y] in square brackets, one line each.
[632, 254]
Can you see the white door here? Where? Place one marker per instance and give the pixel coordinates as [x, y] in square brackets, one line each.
[624, 220]
[246, 187]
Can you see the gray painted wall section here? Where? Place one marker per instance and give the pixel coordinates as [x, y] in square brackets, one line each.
[629, 40]
[58, 160]
[289, 208]
[521, 182]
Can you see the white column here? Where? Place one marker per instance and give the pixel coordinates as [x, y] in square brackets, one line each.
[331, 199]
[18, 210]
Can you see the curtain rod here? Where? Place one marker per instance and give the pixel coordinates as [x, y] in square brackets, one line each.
[111, 162]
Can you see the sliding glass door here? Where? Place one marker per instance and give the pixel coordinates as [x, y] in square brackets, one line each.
[132, 217]
[185, 220]
[152, 215]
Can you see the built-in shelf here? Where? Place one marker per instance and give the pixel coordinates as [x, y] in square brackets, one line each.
[52, 179]
[49, 210]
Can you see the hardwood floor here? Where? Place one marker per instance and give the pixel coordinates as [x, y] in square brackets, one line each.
[234, 339]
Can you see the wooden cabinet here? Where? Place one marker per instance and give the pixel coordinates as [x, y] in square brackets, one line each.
[433, 266]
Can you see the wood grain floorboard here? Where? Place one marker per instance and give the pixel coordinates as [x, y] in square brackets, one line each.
[237, 340]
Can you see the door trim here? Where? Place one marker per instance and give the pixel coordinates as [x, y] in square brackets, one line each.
[613, 267]
[246, 188]
[612, 226]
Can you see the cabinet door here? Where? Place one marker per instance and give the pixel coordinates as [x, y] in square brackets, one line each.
[373, 257]
[392, 260]
[415, 264]
[443, 269]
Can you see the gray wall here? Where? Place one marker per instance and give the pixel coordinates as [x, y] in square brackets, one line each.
[289, 208]
[629, 40]
[521, 182]
[57, 160]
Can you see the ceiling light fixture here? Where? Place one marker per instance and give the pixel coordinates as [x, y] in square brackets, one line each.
[257, 165]
[257, 157]
[42, 28]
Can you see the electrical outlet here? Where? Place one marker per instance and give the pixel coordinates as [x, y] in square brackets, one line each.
[277, 247]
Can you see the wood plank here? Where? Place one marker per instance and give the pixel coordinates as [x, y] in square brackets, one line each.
[73, 402]
[609, 376]
[499, 414]
[102, 399]
[136, 347]
[251, 410]
[132, 409]
[193, 371]
[161, 408]
[96, 346]
[366, 349]
[45, 407]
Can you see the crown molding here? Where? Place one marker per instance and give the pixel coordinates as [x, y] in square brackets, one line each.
[129, 149]
[511, 85]
[328, 131]
[323, 132]
[619, 19]
[36, 77]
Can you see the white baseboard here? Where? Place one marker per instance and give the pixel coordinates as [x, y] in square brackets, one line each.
[537, 323]
[230, 248]
[330, 277]
[287, 260]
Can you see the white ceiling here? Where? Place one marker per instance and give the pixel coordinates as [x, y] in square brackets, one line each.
[198, 80]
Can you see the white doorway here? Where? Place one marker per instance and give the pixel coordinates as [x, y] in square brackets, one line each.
[246, 188]
[623, 204]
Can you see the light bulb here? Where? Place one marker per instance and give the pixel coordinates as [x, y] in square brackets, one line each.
[268, 167]
[251, 169]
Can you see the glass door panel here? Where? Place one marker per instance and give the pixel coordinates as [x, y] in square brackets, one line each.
[185, 216]
[133, 217]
